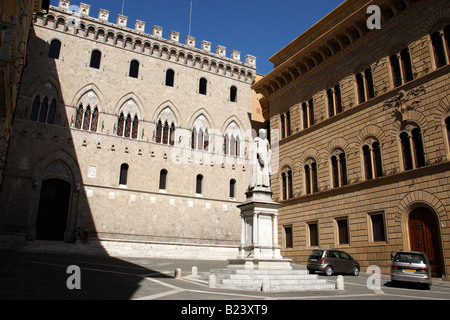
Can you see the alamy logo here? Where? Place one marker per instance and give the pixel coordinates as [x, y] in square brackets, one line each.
[374, 21]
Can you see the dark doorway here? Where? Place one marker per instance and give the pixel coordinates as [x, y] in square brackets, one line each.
[424, 236]
[53, 209]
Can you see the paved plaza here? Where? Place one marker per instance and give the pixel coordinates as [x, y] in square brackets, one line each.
[44, 276]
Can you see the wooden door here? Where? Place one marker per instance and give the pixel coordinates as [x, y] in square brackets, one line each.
[424, 236]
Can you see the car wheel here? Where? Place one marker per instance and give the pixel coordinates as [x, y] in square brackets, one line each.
[355, 271]
[328, 271]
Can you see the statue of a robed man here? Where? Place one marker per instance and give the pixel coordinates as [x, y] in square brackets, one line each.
[260, 162]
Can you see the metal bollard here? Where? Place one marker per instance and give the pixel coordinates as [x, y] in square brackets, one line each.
[177, 273]
[194, 271]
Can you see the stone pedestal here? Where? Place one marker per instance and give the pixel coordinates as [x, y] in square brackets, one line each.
[259, 249]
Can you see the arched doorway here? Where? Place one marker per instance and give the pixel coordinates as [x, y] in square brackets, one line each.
[424, 236]
[53, 210]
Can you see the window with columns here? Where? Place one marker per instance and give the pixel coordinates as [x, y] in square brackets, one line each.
[45, 111]
[232, 140]
[286, 184]
[364, 82]
[401, 68]
[339, 168]
[412, 149]
[88, 112]
[311, 184]
[86, 118]
[308, 113]
[165, 133]
[372, 159]
[128, 126]
[440, 41]
[334, 101]
[285, 119]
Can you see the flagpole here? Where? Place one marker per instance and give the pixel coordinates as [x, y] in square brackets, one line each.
[123, 5]
[190, 19]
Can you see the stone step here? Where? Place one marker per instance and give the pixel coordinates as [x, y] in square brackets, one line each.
[273, 281]
[281, 288]
[259, 272]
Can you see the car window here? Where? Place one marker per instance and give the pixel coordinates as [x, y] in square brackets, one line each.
[344, 255]
[409, 258]
[332, 254]
[316, 254]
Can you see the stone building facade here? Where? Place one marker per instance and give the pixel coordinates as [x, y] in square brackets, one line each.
[138, 139]
[363, 117]
[15, 21]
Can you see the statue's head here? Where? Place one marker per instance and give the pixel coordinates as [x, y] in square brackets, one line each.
[262, 133]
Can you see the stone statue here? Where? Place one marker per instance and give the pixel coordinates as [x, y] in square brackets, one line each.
[260, 162]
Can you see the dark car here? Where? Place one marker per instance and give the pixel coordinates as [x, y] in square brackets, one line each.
[411, 266]
[331, 261]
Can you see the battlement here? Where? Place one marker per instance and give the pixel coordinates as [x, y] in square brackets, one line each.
[83, 10]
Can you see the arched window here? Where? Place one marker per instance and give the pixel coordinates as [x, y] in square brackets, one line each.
[200, 134]
[233, 94]
[127, 132]
[96, 58]
[165, 139]
[308, 113]
[199, 184]
[372, 159]
[334, 100]
[55, 49]
[43, 111]
[232, 188]
[134, 131]
[339, 168]
[35, 108]
[447, 129]
[87, 119]
[311, 185]
[162, 179]
[202, 86]
[170, 77]
[94, 121]
[120, 125]
[401, 68]
[413, 154]
[123, 174]
[134, 69]
[441, 50]
[286, 188]
[172, 134]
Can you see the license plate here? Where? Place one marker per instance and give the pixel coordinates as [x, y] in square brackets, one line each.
[409, 270]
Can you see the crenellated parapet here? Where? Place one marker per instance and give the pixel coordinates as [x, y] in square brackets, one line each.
[76, 20]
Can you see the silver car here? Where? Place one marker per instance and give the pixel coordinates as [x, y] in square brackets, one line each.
[331, 261]
[411, 266]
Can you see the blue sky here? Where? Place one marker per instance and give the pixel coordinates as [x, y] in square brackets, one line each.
[257, 27]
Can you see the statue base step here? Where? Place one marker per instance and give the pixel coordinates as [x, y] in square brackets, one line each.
[259, 264]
